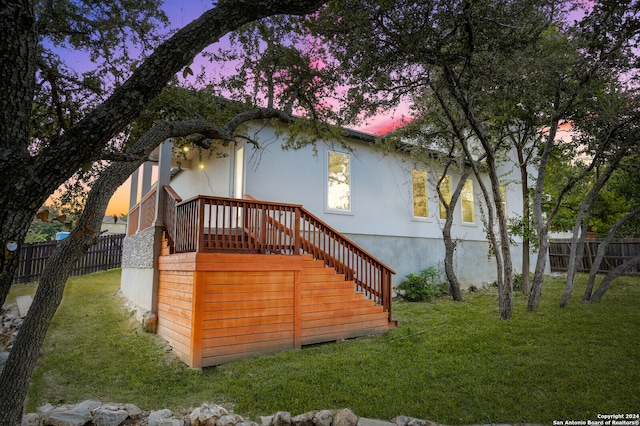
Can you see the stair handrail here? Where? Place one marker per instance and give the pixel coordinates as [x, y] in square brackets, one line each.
[307, 233]
[376, 282]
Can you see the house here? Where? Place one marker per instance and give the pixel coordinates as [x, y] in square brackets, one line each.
[113, 225]
[259, 250]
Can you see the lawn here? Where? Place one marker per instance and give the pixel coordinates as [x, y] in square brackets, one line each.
[453, 363]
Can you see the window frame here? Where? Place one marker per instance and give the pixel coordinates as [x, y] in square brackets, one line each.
[426, 194]
[464, 202]
[327, 186]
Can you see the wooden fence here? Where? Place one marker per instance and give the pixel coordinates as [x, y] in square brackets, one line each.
[105, 254]
[616, 253]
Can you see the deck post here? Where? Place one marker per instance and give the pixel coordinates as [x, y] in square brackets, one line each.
[200, 235]
[297, 243]
[164, 177]
[133, 200]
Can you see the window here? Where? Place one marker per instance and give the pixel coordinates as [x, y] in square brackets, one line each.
[339, 181]
[468, 207]
[420, 193]
[445, 189]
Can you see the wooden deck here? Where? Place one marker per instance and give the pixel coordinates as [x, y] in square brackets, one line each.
[245, 277]
[218, 307]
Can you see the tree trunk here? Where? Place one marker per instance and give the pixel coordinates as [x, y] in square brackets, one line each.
[542, 228]
[538, 276]
[613, 274]
[581, 224]
[16, 376]
[526, 221]
[454, 283]
[449, 251]
[18, 40]
[505, 292]
[602, 248]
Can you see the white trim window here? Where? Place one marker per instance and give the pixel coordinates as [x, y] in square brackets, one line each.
[447, 193]
[338, 181]
[468, 205]
[420, 191]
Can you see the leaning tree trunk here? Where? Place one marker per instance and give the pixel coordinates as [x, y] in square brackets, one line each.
[542, 228]
[16, 375]
[581, 224]
[489, 225]
[601, 250]
[613, 274]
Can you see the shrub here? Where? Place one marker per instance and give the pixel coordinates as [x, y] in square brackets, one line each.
[423, 286]
[517, 281]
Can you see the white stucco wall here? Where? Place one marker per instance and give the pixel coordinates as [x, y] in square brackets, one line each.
[207, 177]
[136, 285]
[381, 216]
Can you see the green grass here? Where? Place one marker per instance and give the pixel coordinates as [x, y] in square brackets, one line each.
[452, 363]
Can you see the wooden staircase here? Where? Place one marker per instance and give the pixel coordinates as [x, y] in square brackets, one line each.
[240, 278]
[332, 309]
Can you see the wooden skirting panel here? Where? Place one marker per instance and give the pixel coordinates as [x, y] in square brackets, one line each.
[215, 308]
[175, 311]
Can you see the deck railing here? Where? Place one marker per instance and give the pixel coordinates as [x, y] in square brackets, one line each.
[216, 224]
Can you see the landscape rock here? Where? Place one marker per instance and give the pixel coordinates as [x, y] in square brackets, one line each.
[85, 408]
[265, 420]
[150, 322]
[164, 418]
[31, 419]
[109, 416]
[67, 418]
[229, 420]
[133, 410]
[96, 413]
[207, 415]
[323, 418]
[281, 418]
[304, 419]
[362, 421]
[411, 421]
[345, 417]
[45, 410]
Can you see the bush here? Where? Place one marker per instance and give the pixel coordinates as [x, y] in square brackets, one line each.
[423, 286]
[517, 281]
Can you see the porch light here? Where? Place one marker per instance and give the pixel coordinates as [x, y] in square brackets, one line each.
[185, 148]
[201, 166]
